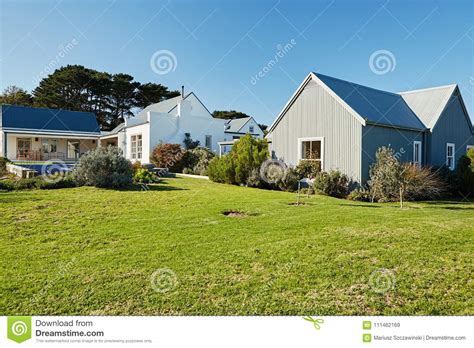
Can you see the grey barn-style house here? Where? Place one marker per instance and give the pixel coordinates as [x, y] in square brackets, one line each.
[342, 124]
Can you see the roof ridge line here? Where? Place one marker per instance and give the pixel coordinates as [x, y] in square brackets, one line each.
[357, 84]
[453, 85]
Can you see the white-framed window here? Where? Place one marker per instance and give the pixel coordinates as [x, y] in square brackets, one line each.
[417, 153]
[450, 150]
[251, 129]
[208, 142]
[49, 145]
[136, 144]
[311, 149]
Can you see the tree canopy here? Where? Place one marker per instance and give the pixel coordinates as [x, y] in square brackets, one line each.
[16, 95]
[112, 97]
[228, 115]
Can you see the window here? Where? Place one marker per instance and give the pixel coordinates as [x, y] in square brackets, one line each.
[209, 142]
[136, 146]
[23, 146]
[251, 129]
[417, 154]
[73, 149]
[450, 149]
[311, 149]
[235, 137]
[49, 145]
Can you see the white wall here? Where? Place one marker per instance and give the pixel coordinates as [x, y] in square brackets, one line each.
[189, 116]
[144, 130]
[256, 128]
[2, 144]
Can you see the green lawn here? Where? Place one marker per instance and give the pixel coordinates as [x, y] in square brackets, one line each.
[90, 251]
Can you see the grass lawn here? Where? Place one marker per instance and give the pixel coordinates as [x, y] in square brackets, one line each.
[90, 251]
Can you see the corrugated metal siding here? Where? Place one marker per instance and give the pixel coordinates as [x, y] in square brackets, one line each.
[452, 127]
[428, 104]
[401, 141]
[315, 113]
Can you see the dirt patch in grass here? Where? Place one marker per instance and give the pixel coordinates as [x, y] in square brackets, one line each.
[235, 213]
[296, 204]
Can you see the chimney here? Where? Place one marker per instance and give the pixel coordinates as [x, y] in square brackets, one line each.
[182, 92]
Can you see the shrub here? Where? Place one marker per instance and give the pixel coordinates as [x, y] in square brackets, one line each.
[38, 182]
[144, 176]
[104, 167]
[168, 156]
[308, 169]
[465, 175]
[3, 165]
[360, 194]
[253, 179]
[6, 185]
[289, 182]
[221, 169]
[243, 162]
[196, 161]
[136, 165]
[248, 154]
[470, 154]
[66, 182]
[392, 181]
[421, 183]
[333, 183]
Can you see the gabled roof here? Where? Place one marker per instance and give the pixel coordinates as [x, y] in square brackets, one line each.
[374, 105]
[168, 105]
[366, 104]
[429, 103]
[43, 119]
[236, 124]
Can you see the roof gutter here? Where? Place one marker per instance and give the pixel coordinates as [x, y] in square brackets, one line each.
[371, 123]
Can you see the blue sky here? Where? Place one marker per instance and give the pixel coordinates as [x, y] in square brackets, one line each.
[218, 47]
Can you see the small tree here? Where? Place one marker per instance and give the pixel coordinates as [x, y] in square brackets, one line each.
[385, 175]
[248, 154]
[104, 167]
[242, 163]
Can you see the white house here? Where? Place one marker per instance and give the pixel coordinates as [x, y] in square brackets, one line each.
[169, 121]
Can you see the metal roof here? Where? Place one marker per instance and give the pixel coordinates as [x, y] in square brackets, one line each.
[375, 106]
[429, 103]
[44, 119]
[236, 124]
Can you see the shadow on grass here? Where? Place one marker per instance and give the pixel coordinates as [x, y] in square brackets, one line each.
[360, 205]
[161, 186]
[447, 202]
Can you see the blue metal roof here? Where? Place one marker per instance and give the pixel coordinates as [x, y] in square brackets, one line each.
[374, 105]
[43, 119]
